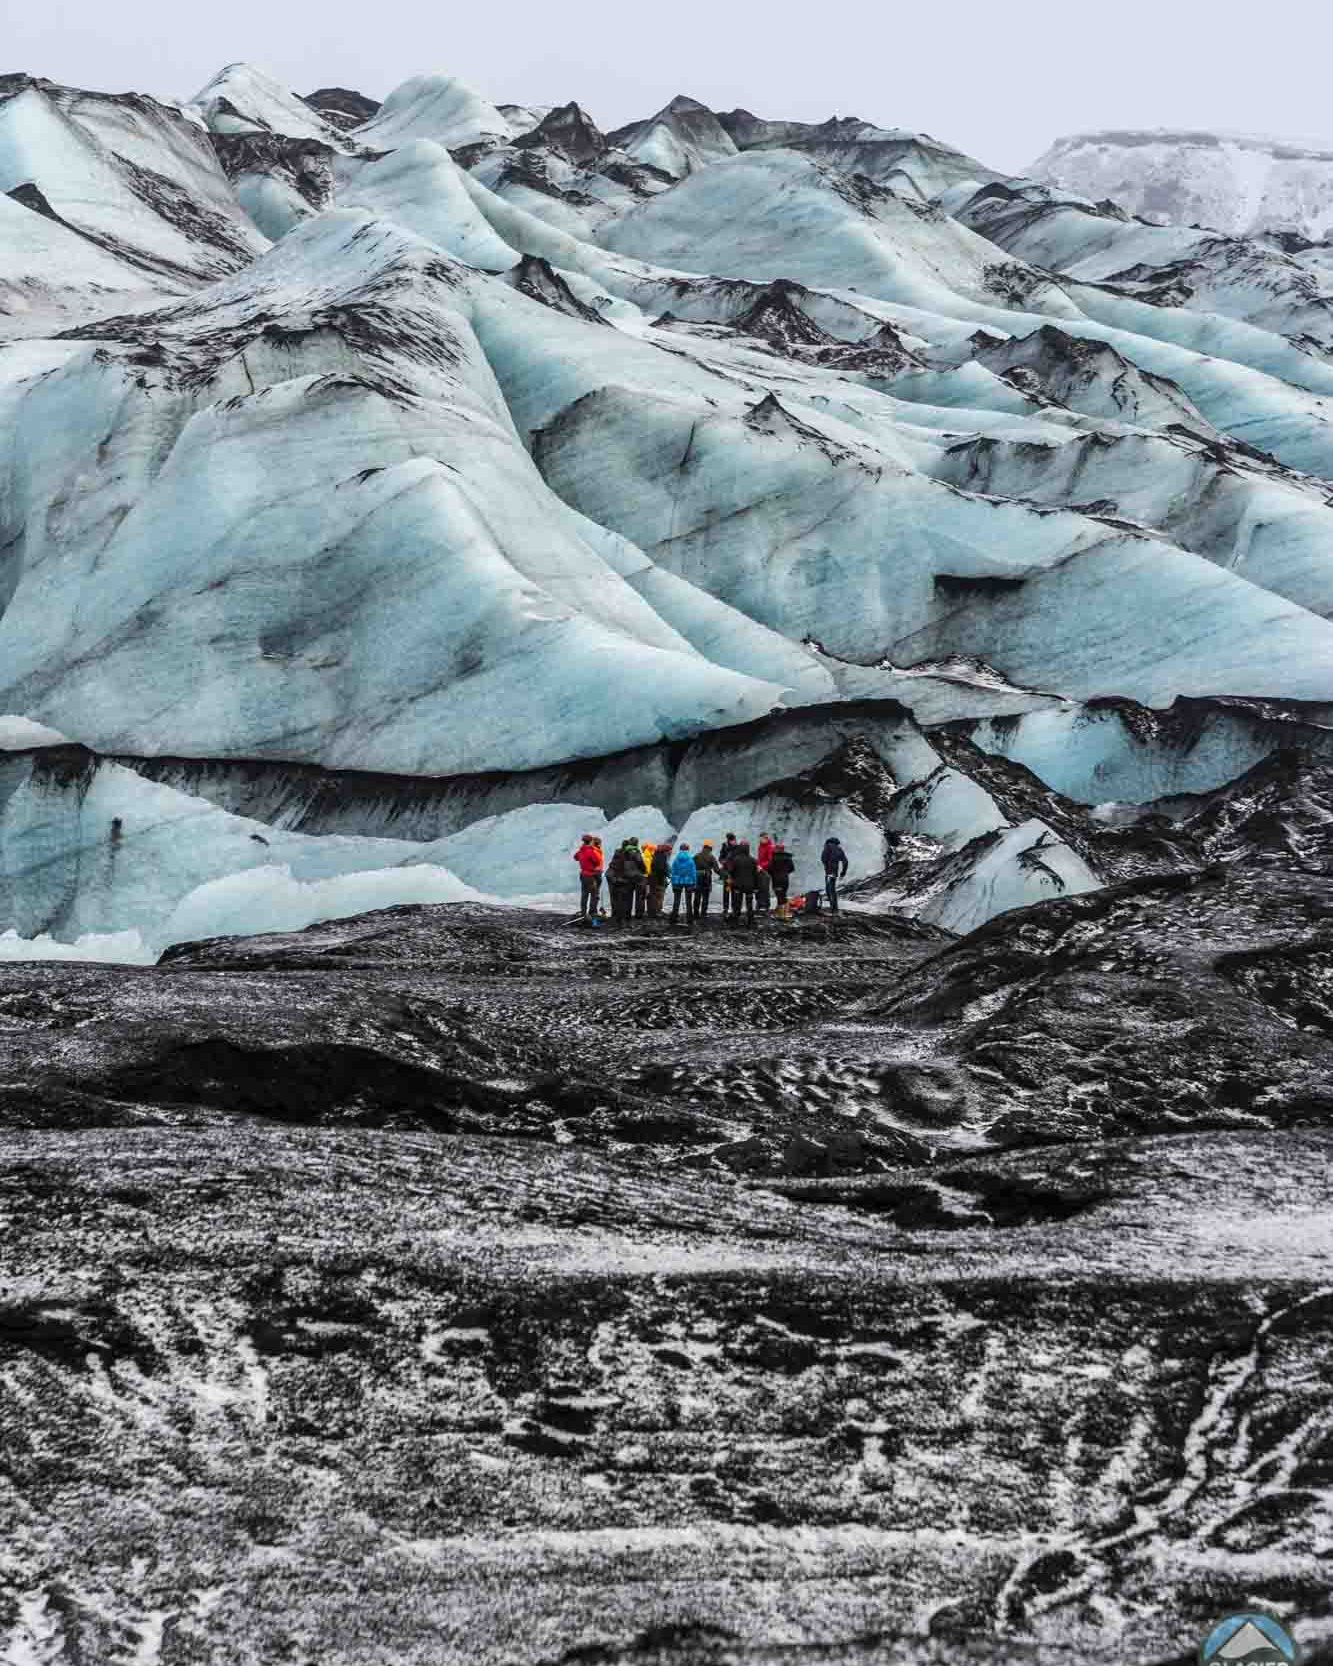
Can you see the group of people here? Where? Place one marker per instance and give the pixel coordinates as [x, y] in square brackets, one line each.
[639, 875]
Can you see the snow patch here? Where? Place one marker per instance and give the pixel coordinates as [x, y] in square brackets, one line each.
[114, 947]
[270, 899]
[19, 734]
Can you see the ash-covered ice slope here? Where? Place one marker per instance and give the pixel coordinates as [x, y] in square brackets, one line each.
[311, 532]
[1233, 182]
[123, 196]
[390, 493]
[463, 442]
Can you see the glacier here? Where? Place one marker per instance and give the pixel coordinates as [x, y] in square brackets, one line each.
[1236, 182]
[444, 439]
[394, 492]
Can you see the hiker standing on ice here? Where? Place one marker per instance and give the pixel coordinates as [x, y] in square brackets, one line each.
[834, 859]
[589, 858]
[684, 875]
[781, 866]
[744, 880]
[659, 876]
[729, 849]
[617, 883]
[706, 869]
[602, 854]
[764, 889]
[636, 873]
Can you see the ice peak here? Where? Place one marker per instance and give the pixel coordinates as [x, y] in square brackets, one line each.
[569, 131]
[440, 107]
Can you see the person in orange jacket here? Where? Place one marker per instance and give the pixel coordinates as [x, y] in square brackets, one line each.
[589, 858]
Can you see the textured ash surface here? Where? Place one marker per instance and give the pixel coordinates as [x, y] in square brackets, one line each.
[390, 493]
[453, 1284]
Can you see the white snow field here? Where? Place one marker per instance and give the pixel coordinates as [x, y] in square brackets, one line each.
[1237, 182]
[467, 440]
[21, 734]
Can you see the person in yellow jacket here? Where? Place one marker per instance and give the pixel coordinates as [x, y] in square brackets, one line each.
[648, 848]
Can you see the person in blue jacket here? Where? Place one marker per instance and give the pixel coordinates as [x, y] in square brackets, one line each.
[683, 878]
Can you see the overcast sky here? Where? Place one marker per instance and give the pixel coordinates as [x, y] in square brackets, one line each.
[999, 80]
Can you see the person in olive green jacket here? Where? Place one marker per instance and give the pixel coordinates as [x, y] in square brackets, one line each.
[636, 873]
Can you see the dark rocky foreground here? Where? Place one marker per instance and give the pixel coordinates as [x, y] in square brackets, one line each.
[458, 1285]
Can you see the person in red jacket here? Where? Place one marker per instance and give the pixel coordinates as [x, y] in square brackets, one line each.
[589, 858]
[764, 889]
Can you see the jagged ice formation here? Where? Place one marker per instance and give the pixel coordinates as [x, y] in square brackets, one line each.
[443, 437]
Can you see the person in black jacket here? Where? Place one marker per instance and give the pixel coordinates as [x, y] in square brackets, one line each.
[744, 881]
[834, 859]
[729, 849]
[706, 869]
[781, 866]
[617, 883]
[659, 877]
